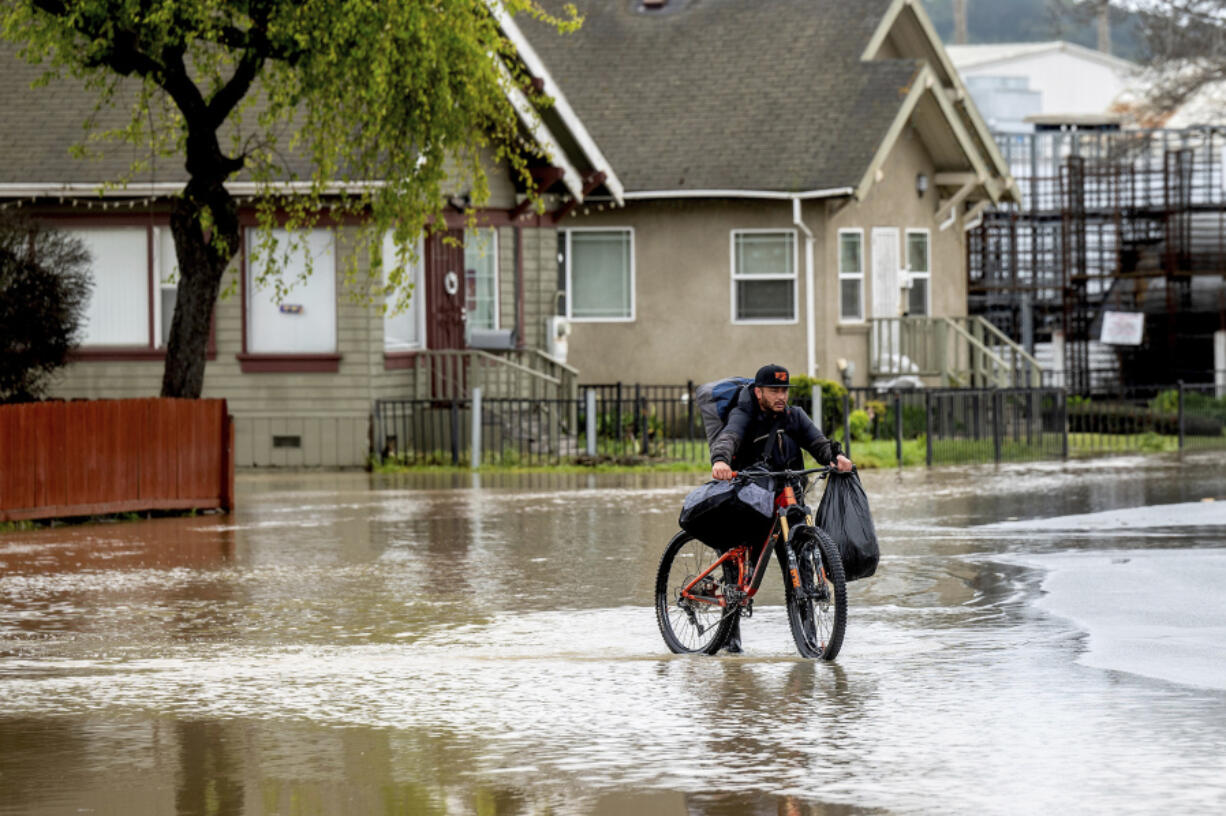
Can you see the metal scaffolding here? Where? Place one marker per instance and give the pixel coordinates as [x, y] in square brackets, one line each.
[1130, 221]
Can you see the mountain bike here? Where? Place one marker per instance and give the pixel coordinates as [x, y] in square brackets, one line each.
[701, 589]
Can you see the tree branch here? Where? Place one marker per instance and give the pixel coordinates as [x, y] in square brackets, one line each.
[122, 52]
[230, 94]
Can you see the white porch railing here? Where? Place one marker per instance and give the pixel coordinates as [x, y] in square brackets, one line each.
[955, 351]
[519, 373]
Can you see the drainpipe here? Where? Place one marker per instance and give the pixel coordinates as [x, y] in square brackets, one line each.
[810, 325]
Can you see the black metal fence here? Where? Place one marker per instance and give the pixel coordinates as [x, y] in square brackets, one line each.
[955, 425]
[935, 426]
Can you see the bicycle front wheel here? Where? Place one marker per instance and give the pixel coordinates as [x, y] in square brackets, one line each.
[698, 624]
[817, 610]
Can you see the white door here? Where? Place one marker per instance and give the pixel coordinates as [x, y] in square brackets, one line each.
[886, 298]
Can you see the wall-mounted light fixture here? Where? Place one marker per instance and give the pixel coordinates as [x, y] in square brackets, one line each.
[921, 184]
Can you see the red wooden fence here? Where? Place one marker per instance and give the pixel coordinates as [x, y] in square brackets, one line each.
[84, 458]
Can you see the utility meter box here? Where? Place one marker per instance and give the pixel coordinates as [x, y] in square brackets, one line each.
[557, 337]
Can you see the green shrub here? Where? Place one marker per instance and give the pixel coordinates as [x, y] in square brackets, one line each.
[1194, 403]
[860, 425]
[1165, 403]
[832, 400]
[912, 421]
[45, 286]
[1107, 418]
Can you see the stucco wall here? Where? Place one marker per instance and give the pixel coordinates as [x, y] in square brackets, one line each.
[683, 328]
[891, 202]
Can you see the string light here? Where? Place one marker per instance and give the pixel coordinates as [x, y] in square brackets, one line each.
[89, 203]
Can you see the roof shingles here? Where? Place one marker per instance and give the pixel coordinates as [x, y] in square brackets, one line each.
[727, 94]
[707, 95]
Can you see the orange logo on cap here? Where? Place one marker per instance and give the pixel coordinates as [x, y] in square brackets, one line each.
[782, 376]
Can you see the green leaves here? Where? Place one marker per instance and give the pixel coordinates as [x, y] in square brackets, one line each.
[367, 107]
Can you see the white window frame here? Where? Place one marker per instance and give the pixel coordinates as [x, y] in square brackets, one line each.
[925, 276]
[735, 278]
[147, 340]
[493, 253]
[417, 302]
[856, 276]
[252, 293]
[570, 289]
[161, 281]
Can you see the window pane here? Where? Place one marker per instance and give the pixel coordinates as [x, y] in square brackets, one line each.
[118, 309]
[403, 329]
[306, 321]
[764, 254]
[917, 251]
[849, 299]
[170, 294]
[480, 279]
[759, 253]
[918, 302]
[600, 274]
[849, 253]
[168, 280]
[764, 300]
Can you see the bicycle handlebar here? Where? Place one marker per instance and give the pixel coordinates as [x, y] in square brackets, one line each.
[788, 473]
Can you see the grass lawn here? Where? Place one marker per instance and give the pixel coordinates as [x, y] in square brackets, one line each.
[877, 453]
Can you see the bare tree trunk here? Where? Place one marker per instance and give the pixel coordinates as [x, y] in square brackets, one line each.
[960, 22]
[203, 258]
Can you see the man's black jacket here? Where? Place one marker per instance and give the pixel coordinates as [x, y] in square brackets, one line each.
[751, 432]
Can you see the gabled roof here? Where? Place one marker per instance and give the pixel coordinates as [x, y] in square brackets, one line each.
[769, 95]
[40, 127]
[770, 98]
[905, 30]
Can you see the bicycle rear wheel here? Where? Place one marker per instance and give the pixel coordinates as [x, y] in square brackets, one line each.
[693, 626]
[817, 610]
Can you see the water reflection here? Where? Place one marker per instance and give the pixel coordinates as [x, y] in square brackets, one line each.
[460, 644]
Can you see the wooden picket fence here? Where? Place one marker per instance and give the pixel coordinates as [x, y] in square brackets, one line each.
[85, 458]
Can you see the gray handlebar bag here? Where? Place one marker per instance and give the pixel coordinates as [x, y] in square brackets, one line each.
[727, 514]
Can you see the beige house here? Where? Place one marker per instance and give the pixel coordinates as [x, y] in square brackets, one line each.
[793, 170]
[729, 183]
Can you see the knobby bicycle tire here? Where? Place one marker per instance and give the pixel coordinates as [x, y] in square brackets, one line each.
[817, 612]
[687, 627]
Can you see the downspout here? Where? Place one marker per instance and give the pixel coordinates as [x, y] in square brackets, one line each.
[810, 322]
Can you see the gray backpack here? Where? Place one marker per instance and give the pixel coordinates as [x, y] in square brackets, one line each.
[715, 401]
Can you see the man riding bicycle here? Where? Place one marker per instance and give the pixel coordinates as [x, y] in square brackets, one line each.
[763, 429]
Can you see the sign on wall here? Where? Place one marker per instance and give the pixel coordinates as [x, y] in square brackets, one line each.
[1123, 328]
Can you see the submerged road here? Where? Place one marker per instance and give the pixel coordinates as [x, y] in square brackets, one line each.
[1043, 637]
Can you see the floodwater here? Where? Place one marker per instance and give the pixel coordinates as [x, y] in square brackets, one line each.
[352, 644]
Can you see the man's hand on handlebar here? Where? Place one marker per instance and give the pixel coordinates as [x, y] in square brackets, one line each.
[722, 471]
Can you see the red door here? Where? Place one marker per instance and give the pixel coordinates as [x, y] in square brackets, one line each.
[444, 267]
[445, 290]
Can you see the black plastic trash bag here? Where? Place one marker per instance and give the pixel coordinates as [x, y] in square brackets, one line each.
[725, 514]
[845, 517]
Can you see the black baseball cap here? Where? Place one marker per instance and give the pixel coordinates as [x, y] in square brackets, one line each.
[772, 376]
